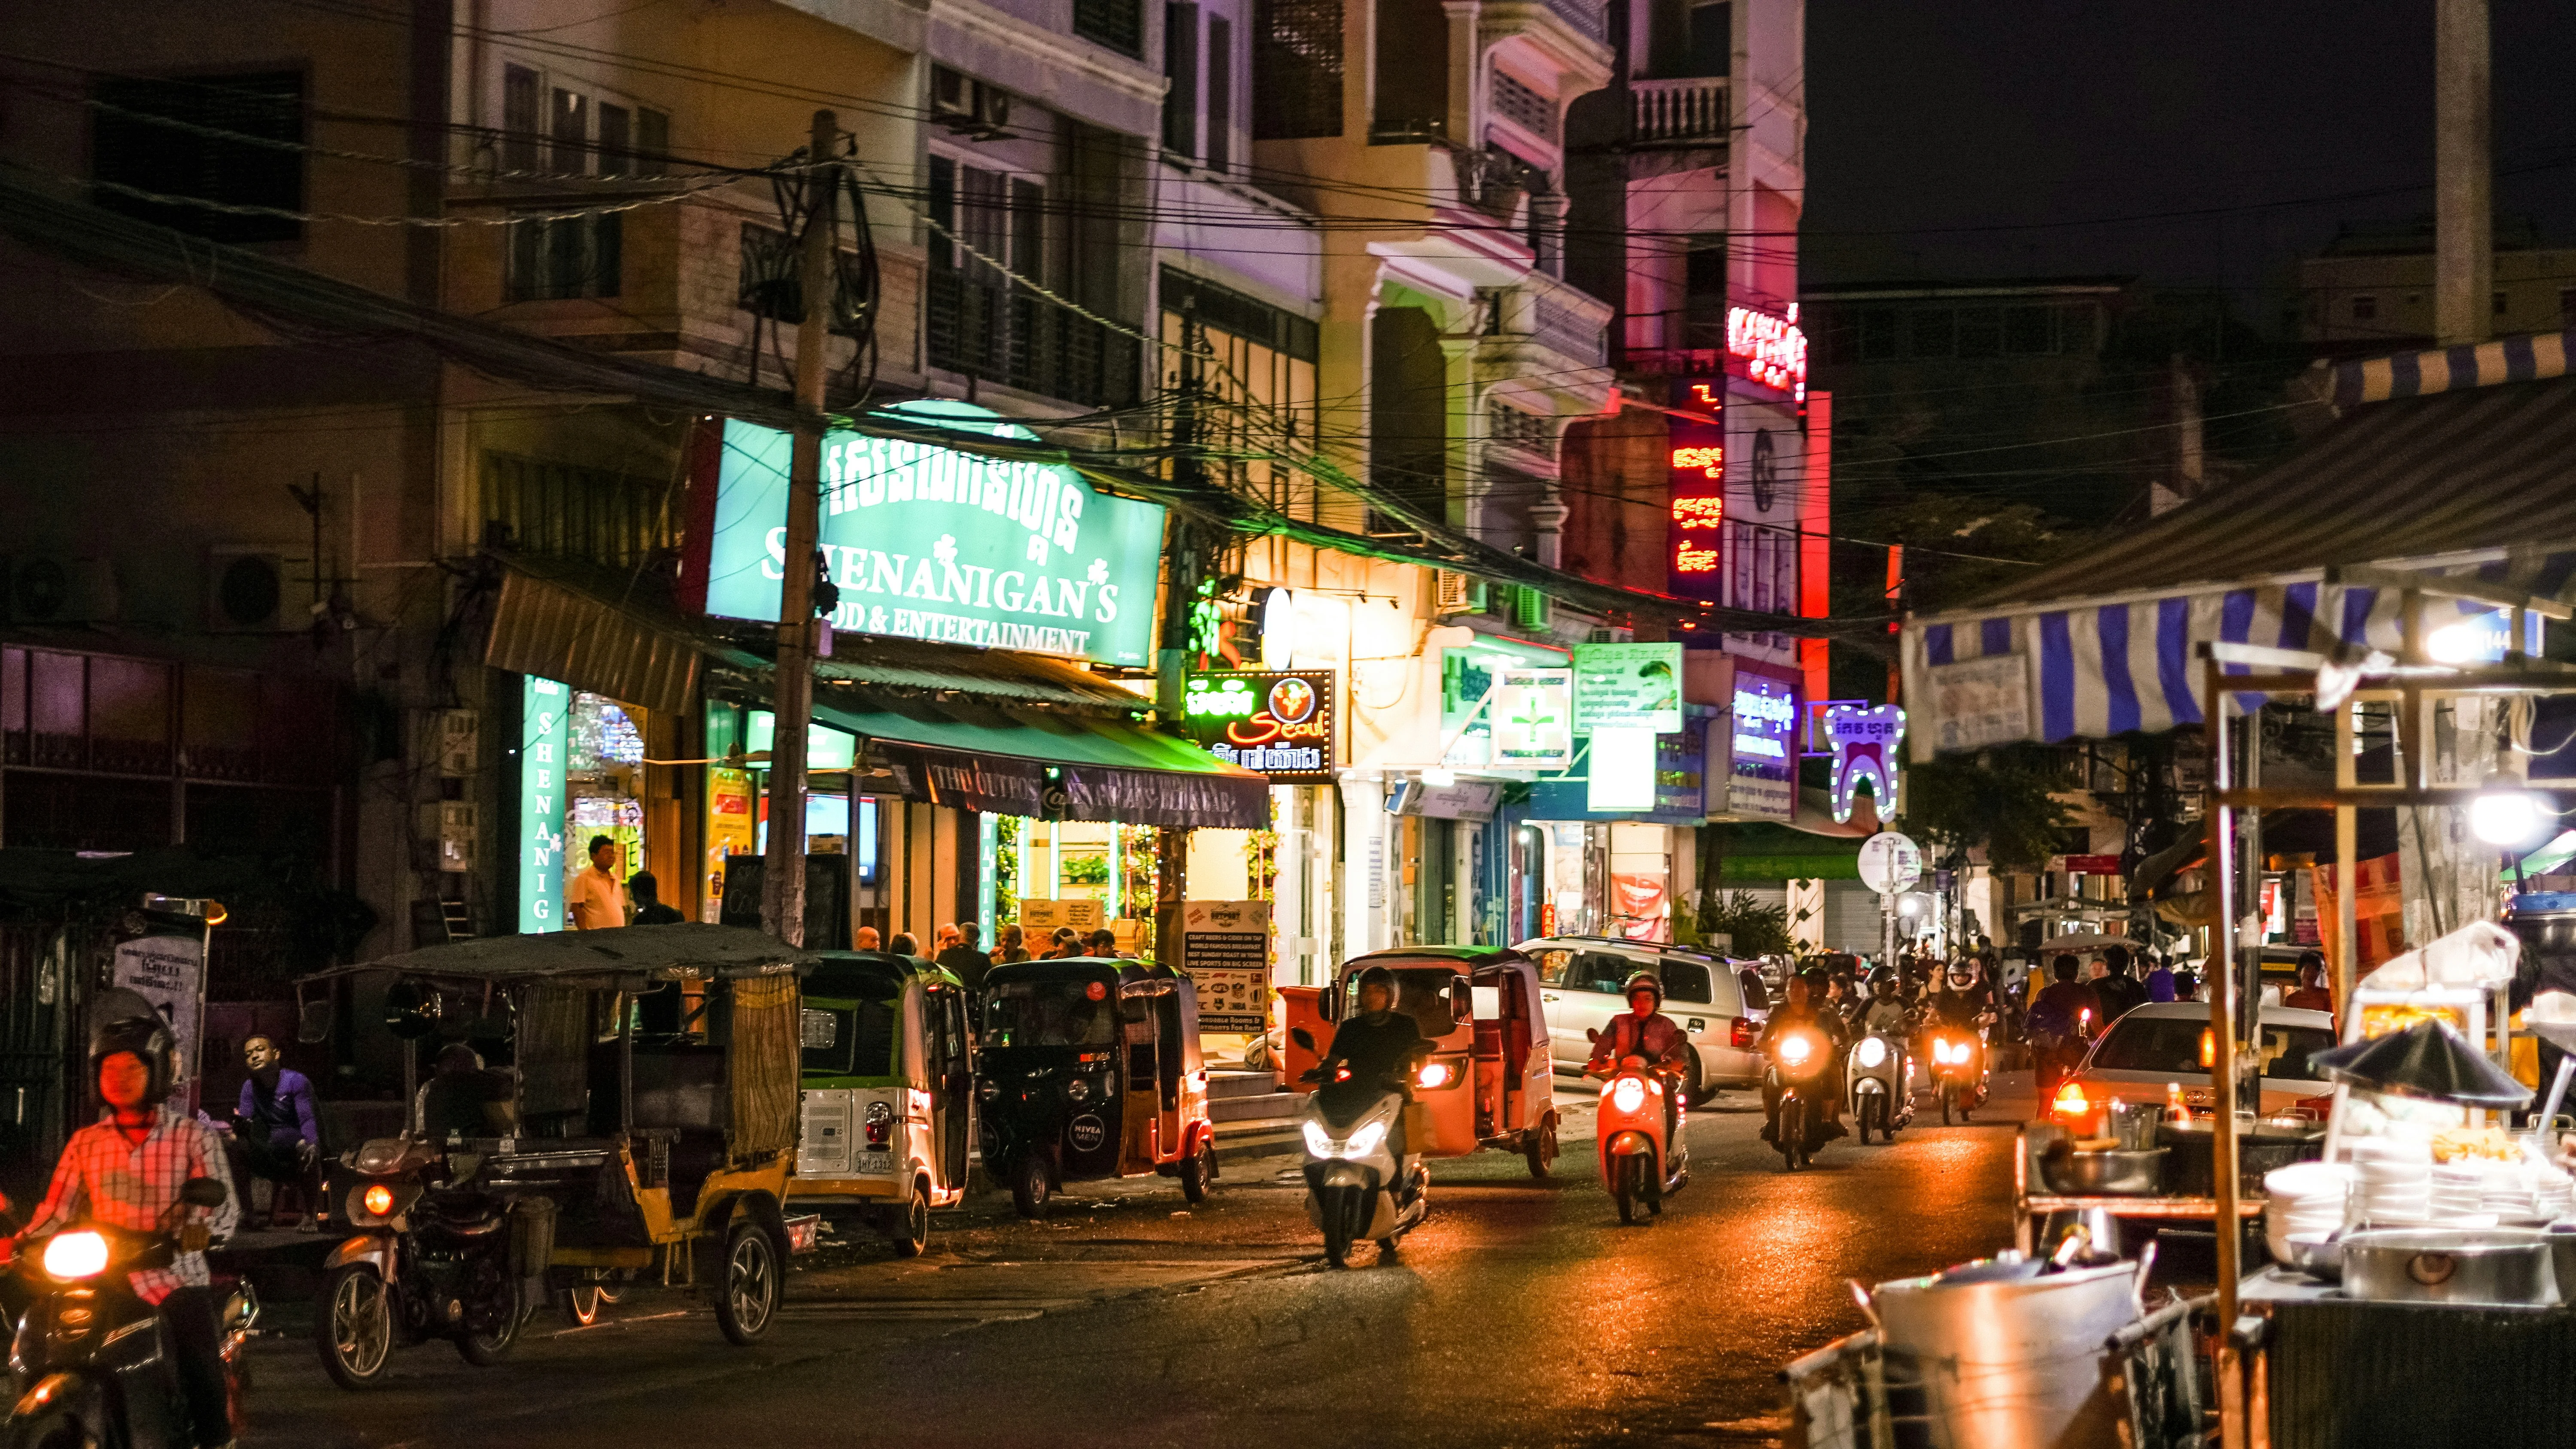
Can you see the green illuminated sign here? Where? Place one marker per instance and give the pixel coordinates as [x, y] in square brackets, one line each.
[1222, 698]
[930, 543]
[543, 705]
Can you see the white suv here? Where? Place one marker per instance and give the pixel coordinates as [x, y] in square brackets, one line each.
[1718, 1003]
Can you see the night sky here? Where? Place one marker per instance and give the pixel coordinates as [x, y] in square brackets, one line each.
[2040, 123]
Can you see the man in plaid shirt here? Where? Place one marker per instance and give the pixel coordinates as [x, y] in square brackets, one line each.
[125, 1171]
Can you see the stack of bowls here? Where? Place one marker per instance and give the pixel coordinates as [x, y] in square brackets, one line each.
[2458, 1198]
[2306, 1203]
[2553, 1194]
[2392, 1181]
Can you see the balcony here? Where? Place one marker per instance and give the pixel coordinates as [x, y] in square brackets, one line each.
[1688, 112]
[1026, 342]
[1555, 315]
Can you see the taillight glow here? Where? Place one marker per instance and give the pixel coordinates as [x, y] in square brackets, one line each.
[1742, 1034]
[1435, 1074]
[1628, 1094]
[378, 1199]
[2071, 1101]
[73, 1256]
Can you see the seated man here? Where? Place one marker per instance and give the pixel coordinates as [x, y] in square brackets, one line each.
[275, 1135]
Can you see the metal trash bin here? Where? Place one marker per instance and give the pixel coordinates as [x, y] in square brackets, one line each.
[1994, 1355]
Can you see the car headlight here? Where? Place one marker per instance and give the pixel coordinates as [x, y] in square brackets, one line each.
[1871, 1052]
[1627, 1094]
[1795, 1050]
[74, 1256]
[1077, 1090]
[1365, 1141]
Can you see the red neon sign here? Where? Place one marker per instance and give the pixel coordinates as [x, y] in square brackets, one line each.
[1703, 512]
[1689, 559]
[1707, 462]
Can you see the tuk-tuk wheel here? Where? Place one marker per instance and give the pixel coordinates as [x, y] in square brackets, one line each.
[1029, 1185]
[581, 1305]
[1198, 1172]
[751, 1287]
[1538, 1144]
[909, 1225]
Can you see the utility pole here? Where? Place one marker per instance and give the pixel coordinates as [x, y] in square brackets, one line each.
[2463, 175]
[782, 887]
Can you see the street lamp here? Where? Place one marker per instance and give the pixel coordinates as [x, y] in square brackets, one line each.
[2505, 814]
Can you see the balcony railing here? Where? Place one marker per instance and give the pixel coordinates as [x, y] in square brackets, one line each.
[1029, 343]
[1691, 110]
[1556, 315]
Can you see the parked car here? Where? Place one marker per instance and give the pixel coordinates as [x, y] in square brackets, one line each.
[2165, 1043]
[1704, 994]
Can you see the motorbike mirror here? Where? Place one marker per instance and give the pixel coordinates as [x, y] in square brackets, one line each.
[1462, 1000]
[313, 1022]
[204, 1192]
[1302, 1037]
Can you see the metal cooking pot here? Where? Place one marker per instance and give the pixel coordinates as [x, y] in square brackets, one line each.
[2504, 1267]
[2104, 1174]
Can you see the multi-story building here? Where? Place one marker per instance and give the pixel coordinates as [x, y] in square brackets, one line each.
[2370, 291]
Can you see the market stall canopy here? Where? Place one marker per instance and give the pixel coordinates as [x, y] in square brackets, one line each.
[1053, 764]
[689, 949]
[2430, 1060]
[2475, 480]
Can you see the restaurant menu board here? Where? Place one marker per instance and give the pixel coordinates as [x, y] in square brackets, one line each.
[1077, 913]
[1225, 948]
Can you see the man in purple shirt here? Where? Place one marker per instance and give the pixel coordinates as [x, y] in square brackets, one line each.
[274, 1133]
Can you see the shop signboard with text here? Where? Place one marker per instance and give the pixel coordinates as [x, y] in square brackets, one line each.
[1695, 431]
[1225, 948]
[926, 542]
[1276, 724]
[1760, 733]
[1533, 719]
[1628, 687]
[544, 706]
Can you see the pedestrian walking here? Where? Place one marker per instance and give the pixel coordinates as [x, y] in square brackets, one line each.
[965, 960]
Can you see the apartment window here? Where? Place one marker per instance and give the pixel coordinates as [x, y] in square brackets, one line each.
[1523, 107]
[616, 139]
[1258, 363]
[1220, 93]
[569, 126]
[652, 143]
[1000, 219]
[127, 149]
[1712, 39]
[521, 95]
[1296, 69]
[1117, 24]
[1181, 71]
[552, 261]
[1411, 103]
[2365, 309]
[2499, 304]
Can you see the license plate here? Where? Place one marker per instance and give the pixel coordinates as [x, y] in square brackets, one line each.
[878, 1163]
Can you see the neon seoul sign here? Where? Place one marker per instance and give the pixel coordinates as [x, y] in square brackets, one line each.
[1773, 349]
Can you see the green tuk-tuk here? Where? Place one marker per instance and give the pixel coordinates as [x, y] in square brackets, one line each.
[888, 1085]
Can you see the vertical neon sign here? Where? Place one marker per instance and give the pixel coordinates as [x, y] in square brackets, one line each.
[1696, 431]
[543, 705]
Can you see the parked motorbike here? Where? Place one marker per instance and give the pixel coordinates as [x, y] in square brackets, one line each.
[1355, 1187]
[1796, 1069]
[90, 1359]
[1878, 1083]
[430, 1257]
[1637, 1164]
[1959, 1070]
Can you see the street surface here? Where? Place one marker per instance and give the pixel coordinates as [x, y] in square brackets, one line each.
[1521, 1314]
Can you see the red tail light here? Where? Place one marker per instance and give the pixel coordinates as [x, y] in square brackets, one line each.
[1742, 1034]
[2071, 1101]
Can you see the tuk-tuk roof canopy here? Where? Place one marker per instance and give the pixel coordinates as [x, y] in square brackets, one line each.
[689, 949]
[1477, 954]
[898, 968]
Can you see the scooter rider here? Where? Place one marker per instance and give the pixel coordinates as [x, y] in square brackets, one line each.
[125, 1170]
[1800, 1011]
[1646, 1032]
[1379, 1045]
[1887, 1012]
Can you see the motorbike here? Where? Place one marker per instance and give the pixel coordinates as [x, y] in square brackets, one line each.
[1878, 1083]
[1798, 1061]
[1959, 1070]
[1355, 1187]
[1638, 1166]
[90, 1359]
[430, 1257]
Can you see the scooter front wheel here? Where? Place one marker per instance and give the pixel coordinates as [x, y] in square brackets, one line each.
[1623, 1186]
[1337, 1231]
[353, 1326]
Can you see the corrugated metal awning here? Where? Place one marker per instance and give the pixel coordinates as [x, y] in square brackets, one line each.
[560, 632]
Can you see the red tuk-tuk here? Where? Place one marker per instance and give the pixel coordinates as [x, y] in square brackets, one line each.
[1489, 1082]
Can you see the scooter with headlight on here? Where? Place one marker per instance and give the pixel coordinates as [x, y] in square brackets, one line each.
[1796, 1071]
[1355, 1188]
[1959, 1071]
[1877, 1082]
[1638, 1165]
[89, 1361]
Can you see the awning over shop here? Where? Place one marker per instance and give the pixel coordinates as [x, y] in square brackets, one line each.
[2477, 481]
[1070, 767]
[562, 622]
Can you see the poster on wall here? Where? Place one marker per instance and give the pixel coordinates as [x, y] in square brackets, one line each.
[1044, 917]
[1225, 948]
[729, 832]
[543, 707]
[170, 972]
[925, 542]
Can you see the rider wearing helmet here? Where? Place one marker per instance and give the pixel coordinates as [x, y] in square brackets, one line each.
[1645, 1032]
[1887, 1012]
[125, 1171]
[1378, 1043]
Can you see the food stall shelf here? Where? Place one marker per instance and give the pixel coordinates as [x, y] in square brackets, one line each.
[2347, 1375]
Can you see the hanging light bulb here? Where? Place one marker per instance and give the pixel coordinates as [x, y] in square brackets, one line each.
[2504, 813]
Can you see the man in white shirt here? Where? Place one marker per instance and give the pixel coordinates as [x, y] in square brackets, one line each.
[596, 900]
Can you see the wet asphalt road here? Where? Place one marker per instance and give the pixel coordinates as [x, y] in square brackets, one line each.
[1521, 1314]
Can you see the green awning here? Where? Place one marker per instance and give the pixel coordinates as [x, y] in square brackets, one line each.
[1045, 763]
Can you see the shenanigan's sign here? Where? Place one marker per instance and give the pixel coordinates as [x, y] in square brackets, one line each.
[931, 543]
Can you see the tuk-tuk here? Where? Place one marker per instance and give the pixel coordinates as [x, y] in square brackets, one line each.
[1089, 1068]
[1489, 1082]
[647, 1079]
[888, 1084]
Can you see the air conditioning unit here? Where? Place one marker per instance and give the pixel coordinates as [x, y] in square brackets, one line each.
[448, 834]
[1611, 634]
[1457, 592]
[459, 733]
[245, 591]
[968, 106]
[56, 589]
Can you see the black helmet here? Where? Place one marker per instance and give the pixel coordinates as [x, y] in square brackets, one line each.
[124, 1021]
[1373, 976]
[1643, 981]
